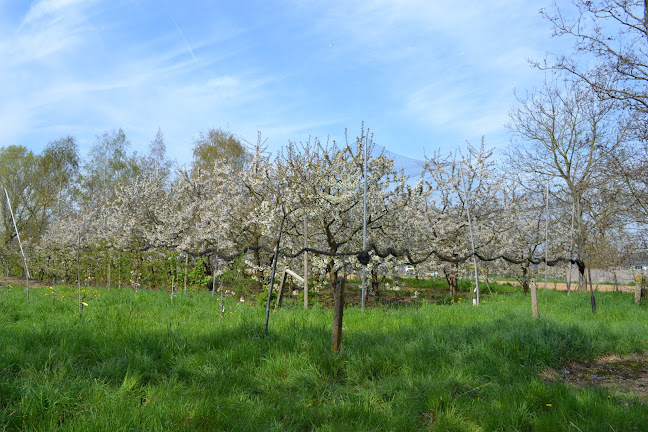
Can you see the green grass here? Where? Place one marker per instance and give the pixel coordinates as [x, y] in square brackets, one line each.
[139, 362]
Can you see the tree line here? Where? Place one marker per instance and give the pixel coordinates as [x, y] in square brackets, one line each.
[572, 183]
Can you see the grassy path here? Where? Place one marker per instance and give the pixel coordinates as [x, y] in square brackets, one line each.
[140, 362]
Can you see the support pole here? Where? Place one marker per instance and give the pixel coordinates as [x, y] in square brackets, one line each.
[592, 298]
[571, 248]
[305, 261]
[185, 271]
[274, 271]
[19, 242]
[534, 299]
[79, 272]
[364, 227]
[546, 236]
[472, 238]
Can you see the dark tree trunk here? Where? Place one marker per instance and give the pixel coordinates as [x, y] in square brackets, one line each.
[257, 263]
[525, 279]
[338, 310]
[375, 283]
[451, 275]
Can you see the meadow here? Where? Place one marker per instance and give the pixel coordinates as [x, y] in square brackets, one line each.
[141, 362]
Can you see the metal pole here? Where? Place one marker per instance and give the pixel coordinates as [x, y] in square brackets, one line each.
[364, 227]
[79, 271]
[571, 248]
[472, 239]
[19, 242]
[305, 261]
[546, 234]
[274, 271]
[274, 261]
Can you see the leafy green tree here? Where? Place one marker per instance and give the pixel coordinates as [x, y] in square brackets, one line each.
[218, 145]
[58, 174]
[18, 170]
[109, 165]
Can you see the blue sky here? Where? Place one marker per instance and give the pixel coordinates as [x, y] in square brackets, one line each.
[421, 74]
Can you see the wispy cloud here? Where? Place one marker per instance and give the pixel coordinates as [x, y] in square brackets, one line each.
[184, 38]
[412, 69]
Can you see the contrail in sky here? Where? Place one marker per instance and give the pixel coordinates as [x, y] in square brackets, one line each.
[184, 38]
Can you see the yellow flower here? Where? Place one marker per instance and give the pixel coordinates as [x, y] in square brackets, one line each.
[84, 303]
[548, 405]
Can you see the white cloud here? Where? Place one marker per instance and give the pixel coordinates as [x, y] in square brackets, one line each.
[89, 66]
[223, 81]
[51, 9]
[49, 27]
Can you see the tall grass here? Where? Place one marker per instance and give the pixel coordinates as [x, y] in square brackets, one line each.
[140, 362]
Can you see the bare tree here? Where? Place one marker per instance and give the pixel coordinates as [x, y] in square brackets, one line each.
[615, 34]
[565, 134]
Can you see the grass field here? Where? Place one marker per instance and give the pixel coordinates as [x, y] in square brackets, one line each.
[140, 362]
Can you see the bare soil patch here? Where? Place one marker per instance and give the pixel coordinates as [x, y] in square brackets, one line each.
[625, 375]
[562, 286]
[19, 281]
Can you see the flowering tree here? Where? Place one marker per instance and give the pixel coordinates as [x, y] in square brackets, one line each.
[327, 185]
[459, 188]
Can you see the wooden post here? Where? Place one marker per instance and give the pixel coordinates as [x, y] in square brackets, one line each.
[274, 272]
[534, 299]
[638, 286]
[589, 275]
[294, 275]
[119, 272]
[185, 272]
[338, 311]
[281, 289]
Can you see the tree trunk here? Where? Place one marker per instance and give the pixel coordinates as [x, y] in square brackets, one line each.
[375, 283]
[525, 278]
[451, 275]
[338, 310]
[257, 263]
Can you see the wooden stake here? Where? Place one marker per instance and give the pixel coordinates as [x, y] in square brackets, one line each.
[589, 275]
[534, 299]
[281, 289]
[185, 272]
